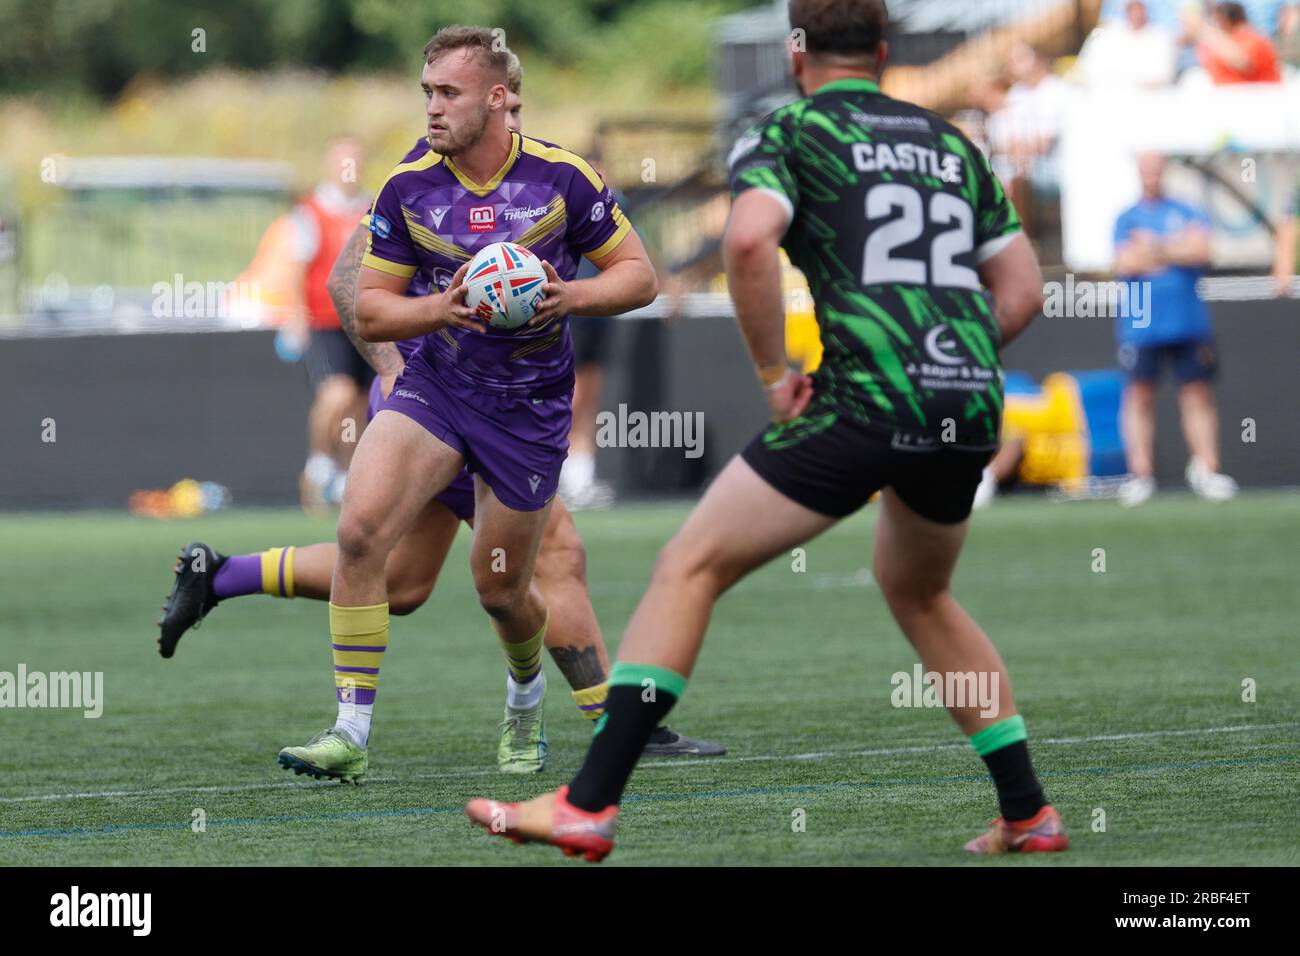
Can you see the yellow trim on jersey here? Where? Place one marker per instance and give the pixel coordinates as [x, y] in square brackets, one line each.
[499, 175]
[427, 239]
[610, 244]
[426, 161]
[543, 343]
[383, 265]
[555, 154]
[546, 225]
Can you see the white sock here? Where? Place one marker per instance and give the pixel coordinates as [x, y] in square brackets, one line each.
[525, 696]
[319, 469]
[354, 720]
[337, 485]
[578, 472]
[987, 490]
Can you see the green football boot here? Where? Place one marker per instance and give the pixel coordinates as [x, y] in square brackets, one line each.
[522, 747]
[329, 754]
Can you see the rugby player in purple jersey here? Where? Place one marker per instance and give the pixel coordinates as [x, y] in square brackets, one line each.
[573, 635]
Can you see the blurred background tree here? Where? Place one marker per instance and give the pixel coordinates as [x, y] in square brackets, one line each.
[97, 47]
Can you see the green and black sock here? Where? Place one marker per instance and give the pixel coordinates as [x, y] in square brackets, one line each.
[1004, 750]
[640, 697]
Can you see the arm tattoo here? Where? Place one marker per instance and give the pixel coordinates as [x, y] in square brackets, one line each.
[383, 357]
[580, 666]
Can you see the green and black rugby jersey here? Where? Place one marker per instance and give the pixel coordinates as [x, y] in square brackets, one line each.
[892, 209]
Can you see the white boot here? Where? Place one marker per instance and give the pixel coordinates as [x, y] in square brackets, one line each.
[1136, 491]
[1209, 485]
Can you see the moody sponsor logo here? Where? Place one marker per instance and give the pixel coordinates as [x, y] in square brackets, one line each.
[482, 218]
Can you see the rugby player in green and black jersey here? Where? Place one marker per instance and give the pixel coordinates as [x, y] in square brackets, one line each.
[920, 274]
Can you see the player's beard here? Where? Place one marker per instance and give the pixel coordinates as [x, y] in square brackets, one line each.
[457, 141]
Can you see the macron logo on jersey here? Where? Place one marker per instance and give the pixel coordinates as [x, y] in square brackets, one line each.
[482, 218]
[437, 216]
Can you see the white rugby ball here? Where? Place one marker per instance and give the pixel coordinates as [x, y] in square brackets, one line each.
[504, 283]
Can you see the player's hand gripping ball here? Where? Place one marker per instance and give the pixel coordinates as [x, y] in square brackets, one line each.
[504, 283]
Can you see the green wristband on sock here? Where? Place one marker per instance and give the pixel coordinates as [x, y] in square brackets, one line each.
[625, 672]
[999, 735]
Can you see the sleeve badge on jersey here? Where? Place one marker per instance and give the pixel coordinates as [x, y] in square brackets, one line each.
[598, 212]
[380, 226]
[745, 145]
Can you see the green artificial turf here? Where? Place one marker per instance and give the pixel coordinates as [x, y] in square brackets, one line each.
[1131, 681]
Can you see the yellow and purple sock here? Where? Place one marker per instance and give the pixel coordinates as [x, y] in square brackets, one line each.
[267, 572]
[360, 637]
[591, 700]
[525, 660]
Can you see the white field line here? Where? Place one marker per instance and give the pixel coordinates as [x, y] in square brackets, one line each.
[674, 763]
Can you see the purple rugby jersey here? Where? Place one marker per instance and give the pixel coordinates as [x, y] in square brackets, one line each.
[419, 284]
[429, 219]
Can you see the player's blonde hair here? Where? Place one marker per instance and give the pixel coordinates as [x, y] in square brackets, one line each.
[485, 44]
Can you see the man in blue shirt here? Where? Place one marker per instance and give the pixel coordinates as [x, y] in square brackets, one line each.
[1165, 244]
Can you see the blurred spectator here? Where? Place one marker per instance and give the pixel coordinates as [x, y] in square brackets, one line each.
[1166, 14]
[1284, 263]
[1231, 50]
[1288, 36]
[580, 489]
[1132, 53]
[984, 122]
[1030, 125]
[1162, 247]
[339, 376]
[1264, 15]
